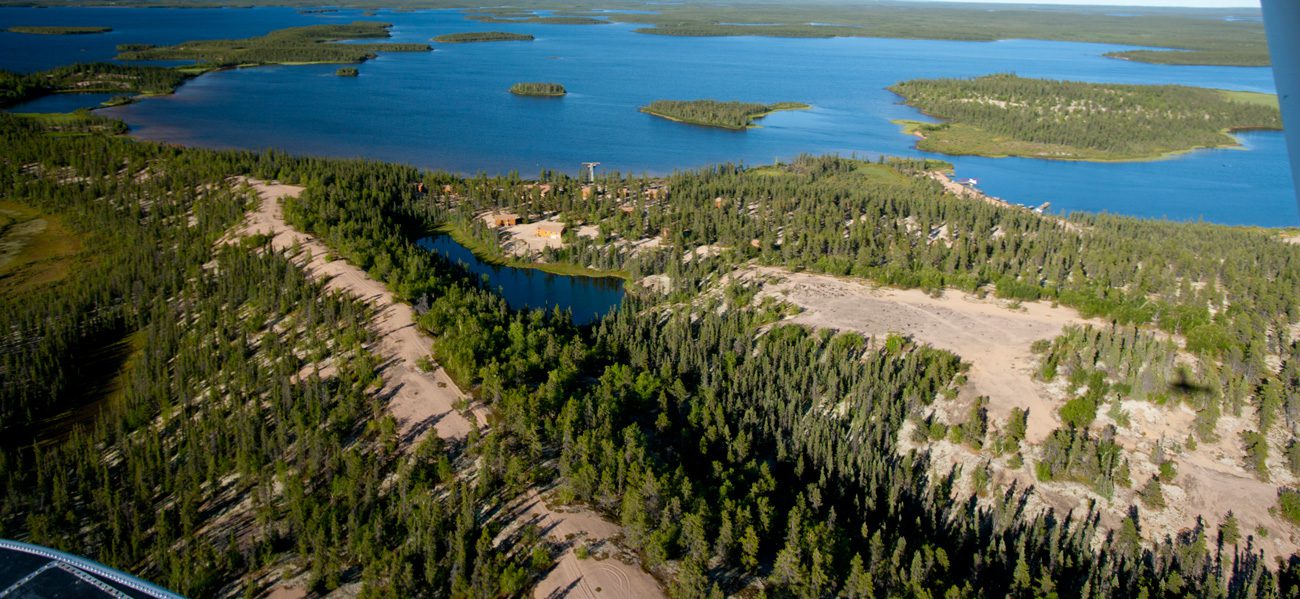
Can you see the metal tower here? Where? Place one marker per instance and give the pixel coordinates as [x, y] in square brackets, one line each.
[591, 170]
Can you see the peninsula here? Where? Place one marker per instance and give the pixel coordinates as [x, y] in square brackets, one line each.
[294, 45]
[1007, 115]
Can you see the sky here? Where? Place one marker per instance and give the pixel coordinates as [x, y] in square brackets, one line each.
[1195, 3]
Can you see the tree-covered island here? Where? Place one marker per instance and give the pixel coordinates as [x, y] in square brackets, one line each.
[1006, 115]
[482, 36]
[548, 90]
[712, 113]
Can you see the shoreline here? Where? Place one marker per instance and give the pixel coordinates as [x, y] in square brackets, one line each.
[554, 268]
[913, 128]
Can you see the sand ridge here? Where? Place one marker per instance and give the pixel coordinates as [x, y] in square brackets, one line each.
[423, 402]
[419, 401]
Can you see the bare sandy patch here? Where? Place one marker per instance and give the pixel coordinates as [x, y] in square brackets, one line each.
[995, 336]
[992, 336]
[525, 241]
[608, 571]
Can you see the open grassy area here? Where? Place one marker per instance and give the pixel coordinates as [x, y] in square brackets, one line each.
[294, 45]
[1006, 115]
[1261, 99]
[712, 113]
[57, 30]
[482, 36]
[35, 249]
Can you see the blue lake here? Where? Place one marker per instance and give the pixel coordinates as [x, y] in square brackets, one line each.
[587, 298]
[63, 102]
[450, 109]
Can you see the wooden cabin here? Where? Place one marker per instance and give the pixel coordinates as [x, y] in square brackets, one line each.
[496, 220]
[550, 230]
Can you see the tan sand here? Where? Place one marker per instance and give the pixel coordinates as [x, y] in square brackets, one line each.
[525, 242]
[995, 340]
[988, 334]
[602, 573]
[419, 401]
[422, 402]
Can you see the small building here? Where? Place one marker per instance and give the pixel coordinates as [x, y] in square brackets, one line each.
[544, 188]
[496, 220]
[550, 230]
[968, 182]
[587, 191]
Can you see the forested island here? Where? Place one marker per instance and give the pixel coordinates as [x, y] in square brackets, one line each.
[483, 36]
[16, 88]
[57, 29]
[538, 89]
[241, 438]
[346, 72]
[294, 45]
[1007, 115]
[712, 113]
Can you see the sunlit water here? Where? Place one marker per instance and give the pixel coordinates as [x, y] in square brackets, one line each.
[450, 109]
[587, 298]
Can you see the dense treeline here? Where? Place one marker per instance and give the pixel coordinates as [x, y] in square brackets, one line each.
[98, 77]
[1231, 289]
[712, 113]
[1140, 364]
[537, 89]
[246, 436]
[58, 29]
[482, 36]
[313, 43]
[731, 453]
[1009, 115]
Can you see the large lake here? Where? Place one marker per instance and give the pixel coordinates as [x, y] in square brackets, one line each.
[449, 109]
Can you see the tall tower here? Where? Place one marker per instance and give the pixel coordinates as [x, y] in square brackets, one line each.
[591, 170]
